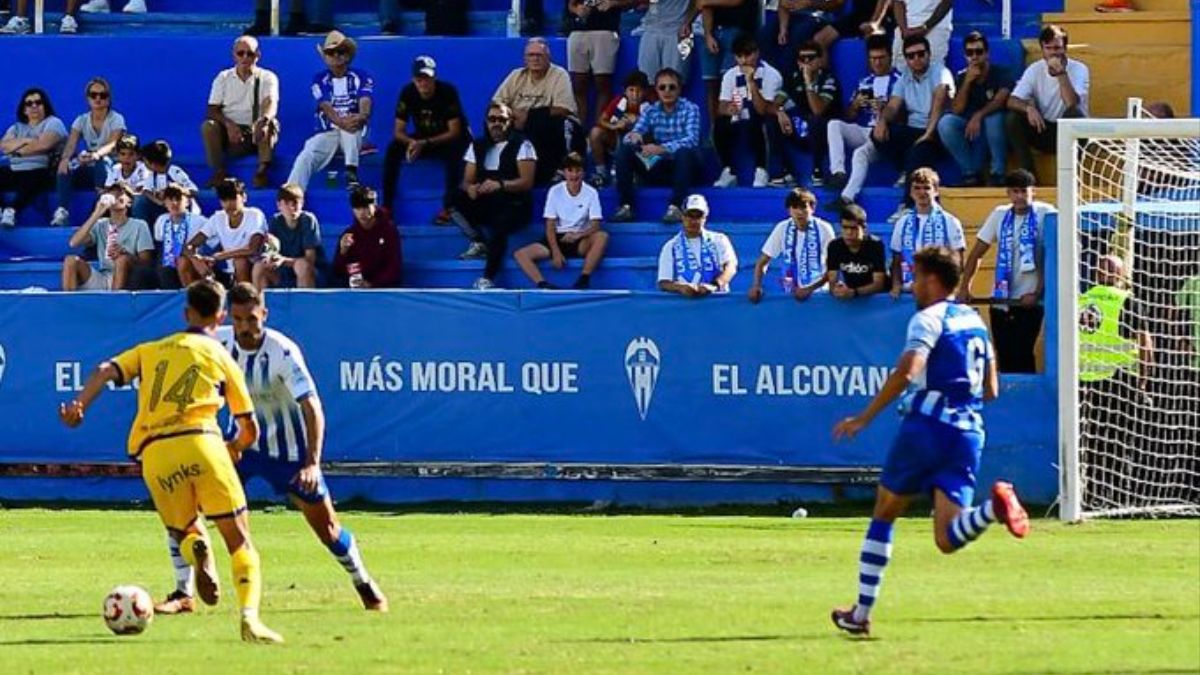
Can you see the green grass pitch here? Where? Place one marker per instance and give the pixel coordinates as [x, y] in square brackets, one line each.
[615, 594]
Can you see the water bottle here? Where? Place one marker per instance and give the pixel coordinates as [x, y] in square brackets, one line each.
[111, 241]
[331, 179]
[1002, 289]
[789, 283]
[356, 277]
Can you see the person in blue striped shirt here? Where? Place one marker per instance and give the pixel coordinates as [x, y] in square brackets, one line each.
[287, 454]
[949, 371]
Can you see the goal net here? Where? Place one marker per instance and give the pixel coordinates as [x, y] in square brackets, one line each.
[1129, 320]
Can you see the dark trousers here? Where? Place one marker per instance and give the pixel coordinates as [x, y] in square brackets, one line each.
[725, 136]
[492, 219]
[902, 148]
[677, 170]
[1016, 330]
[553, 137]
[815, 141]
[27, 184]
[450, 154]
[1024, 138]
[1109, 411]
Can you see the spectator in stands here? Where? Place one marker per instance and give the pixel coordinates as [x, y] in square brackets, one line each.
[294, 263]
[746, 101]
[1049, 90]
[19, 24]
[661, 45]
[802, 240]
[810, 98]
[129, 168]
[794, 23]
[593, 38]
[975, 124]
[496, 198]
[241, 119]
[30, 143]
[616, 121]
[723, 21]
[854, 132]
[697, 261]
[239, 229]
[928, 224]
[121, 244]
[573, 215]
[172, 232]
[1018, 230]
[855, 263]
[159, 173]
[540, 97]
[343, 98]
[440, 132]
[863, 19]
[664, 145]
[929, 19]
[298, 22]
[368, 254]
[131, 7]
[100, 128]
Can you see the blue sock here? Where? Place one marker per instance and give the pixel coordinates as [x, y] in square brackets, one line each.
[970, 523]
[345, 549]
[876, 552]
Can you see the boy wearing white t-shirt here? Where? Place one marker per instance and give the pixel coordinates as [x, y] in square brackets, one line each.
[573, 217]
[240, 231]
[928, 224]
[746, 100]
[800, 242]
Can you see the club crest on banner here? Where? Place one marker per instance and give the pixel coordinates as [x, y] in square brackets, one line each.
[642, 364]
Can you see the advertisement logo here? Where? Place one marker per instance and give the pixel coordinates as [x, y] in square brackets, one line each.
[642, 363]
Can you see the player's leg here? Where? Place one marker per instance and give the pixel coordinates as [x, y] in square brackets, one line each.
[873, 558]
[180, 600]
[955, 522]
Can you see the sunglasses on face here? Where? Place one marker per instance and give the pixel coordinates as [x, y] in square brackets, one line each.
[336, 52]
[33, 102]
[99, 95]
[667, 87]
[915, 55]
[694, 215]
[243, 53]
[495, 119]
[974, 51]
[807, 57]
[537, 55]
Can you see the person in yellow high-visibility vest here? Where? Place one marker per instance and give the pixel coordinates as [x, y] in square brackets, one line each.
[1115, 355]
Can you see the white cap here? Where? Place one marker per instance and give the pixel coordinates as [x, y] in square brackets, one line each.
[696, 203]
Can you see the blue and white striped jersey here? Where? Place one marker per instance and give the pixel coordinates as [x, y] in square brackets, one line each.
[278, 380]
[957, 348]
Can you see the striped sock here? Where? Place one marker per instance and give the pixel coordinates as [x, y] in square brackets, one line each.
[345, 549]
[876, 552]
[970, 523]
[185, 576]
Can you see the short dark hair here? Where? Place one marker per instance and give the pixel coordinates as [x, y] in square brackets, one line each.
[497, 105]
[1048, 33]
[854, 213]
[230, 188]
[637, 79]
[941, 263]
[47, 107]
[1019, 178]
[206, 297]
[127, 142]
[573, 160]
[798, 196]
[157, 152]
[914, 40]
[246, 293]
[810, 46]
[120, 187]
[879, 41]
[362, 197]
[744, 44]
[289, 192]
[174, 191]
[668, 72]
[976, 36]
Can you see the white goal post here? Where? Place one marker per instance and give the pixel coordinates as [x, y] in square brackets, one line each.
[1129, 200]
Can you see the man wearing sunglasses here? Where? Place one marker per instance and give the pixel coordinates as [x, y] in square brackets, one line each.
[242, 108]
[810, 98]
[974, 127]
[697, 262]
[930, 19]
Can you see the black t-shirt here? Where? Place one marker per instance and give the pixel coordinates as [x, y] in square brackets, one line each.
[855, 269]
[596, 20]
[982, 92]
[430, 117]
[743, 17]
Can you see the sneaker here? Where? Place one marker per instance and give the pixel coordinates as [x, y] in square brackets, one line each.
[254, 630]
[897, 215]
[257, 29]
[598, 180]
[62, 217]
[483, 284]
[390, 28]
[93, 6]
[582, 283]
[207, 585]
[818, 177]
[262, 177]
[623, 214]
[837, 181]
[177, 602]
[726, 179]
[1009, 510]
[673, 215]
[352, 183]
[135, 7]
[844, 620]
[838, 204]
[1115, 6]
[68, 26]
[373, 599]
[761, 178]
[18, 25]
[901, 180]
[442, 217]
[784, 181]
[476, 251]
[216, 179]
[8, 218]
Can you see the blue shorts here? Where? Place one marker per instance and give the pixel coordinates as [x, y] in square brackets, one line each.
[929, 454]
[280, 475]
[713, 66]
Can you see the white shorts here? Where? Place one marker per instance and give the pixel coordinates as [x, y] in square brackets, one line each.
[99, 280]
[592, 50]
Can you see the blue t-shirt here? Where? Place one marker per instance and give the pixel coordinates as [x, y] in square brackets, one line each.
[294, 241]
[342, 93]
[955, 343]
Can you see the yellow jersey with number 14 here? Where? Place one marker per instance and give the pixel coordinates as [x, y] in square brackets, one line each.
[185, 379]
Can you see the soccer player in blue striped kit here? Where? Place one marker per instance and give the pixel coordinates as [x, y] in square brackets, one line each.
[287, 454]
[949, 369]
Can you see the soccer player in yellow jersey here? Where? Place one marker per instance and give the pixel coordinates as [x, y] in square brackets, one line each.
[187, 467]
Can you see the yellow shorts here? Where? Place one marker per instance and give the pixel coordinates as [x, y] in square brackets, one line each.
[192, 474]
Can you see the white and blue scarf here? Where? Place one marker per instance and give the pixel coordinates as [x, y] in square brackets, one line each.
[933, 234]
[1026, 245]
[803, 266]
[690, 270]
[175, 237]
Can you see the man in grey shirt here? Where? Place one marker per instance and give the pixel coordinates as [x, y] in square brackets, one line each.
[121, 244]
[659, 46]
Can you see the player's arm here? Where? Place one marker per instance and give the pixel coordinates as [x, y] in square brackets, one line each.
[247, 433]
[991, 380]
[911, 364]
[969, 270]
[119, 369]
[314, 423]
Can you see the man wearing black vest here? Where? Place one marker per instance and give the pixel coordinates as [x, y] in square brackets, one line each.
[495, 199]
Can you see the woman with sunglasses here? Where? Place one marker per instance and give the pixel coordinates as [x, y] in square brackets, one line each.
[29, 145]
[100, 128]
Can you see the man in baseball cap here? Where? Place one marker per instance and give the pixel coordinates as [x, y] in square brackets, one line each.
[696, 262]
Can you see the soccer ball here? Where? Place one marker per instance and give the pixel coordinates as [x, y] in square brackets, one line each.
[128, 610]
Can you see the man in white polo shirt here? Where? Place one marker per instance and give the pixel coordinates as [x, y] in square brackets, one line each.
[242, 113]
[1050, 89]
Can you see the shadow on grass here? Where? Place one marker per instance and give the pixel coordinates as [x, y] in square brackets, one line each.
[690, 639]
[1143, 616]
[67, 641]
[48, 617]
